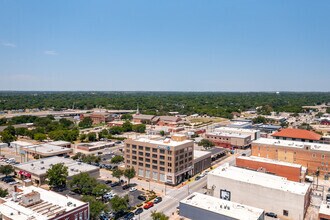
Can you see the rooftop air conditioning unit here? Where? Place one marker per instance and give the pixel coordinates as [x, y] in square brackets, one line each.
[42, 162]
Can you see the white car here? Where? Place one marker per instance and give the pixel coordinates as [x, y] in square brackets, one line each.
[132, 189]
[13, 183]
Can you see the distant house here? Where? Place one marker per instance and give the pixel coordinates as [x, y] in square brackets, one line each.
[171, 121]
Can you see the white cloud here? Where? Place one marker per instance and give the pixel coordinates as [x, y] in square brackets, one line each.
[50, 52]
[7, 44]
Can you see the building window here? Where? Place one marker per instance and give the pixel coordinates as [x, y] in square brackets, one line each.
[285, 212]
[169, 170]
[323, 156]
[313, 155]
[169, 158]
[154, 150]
[134, 146]
[162, 151]
[154, 167]
[147, 148]
[140, 147]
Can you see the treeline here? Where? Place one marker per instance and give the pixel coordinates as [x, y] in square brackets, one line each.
[160, 103]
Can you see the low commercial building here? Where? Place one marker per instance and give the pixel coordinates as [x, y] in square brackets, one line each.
[93, 146]
[229, 140]
[202, 161]
[324, 212]
[45, 150]
[61, 143]
[19, 144]
[297, 135]
[163, 160]
[291, 171]
[36, 170]
[199, 206]
[27, 203]
[145, 119]
[171, 121]
[255, 134]
[268, 192]
[313, 156]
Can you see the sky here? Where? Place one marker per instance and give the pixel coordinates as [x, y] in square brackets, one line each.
[168, 45]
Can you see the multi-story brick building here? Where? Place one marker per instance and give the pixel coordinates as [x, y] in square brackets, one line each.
[311, 155]
[291, 171]
[229, 140]
[161, 160]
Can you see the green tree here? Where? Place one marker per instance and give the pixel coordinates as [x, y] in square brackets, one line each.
[158, 216]
[129, 173]
[39, 137]
[7, 137]
[77, 156]
[207, 144]
[103, 134]
[86, 123]
[259, 119]
[6, 169]
[127, 126]
[82, 183]
[57, 175]
[117, 159]
[100, 189]
[95, 207]
[3, 192]
[10, 129]
[126, 117]
[82, 137]
[117, 173]
[115, 130]
[66, 123]
[139, 128]
[119, 203]
[328, 110]
[91, 136]
[21, 131]
[162, 133]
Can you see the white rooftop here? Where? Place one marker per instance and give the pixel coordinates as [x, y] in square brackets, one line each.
[223, 207]
[324, 208]
[200, 153]
[21, 143]
[47, 149]
[267, 160]
[54, 201]
[59, 143]
[229, 134]
[261, 179]
[293, 144]
[167, 141]
[237, 130]
[40, 167]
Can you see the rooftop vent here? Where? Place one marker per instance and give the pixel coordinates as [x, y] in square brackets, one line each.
[32, 164]
[42, 162]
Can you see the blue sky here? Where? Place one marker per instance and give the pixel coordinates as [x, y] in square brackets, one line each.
[170, 45]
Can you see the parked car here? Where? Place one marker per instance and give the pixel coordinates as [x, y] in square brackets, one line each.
[119, 214]
[271, 214]
[138, 211]
[158, 200]
[108, 181]
[129, 216]
[148, 205]
[125, 187]
[141, 197]
[197, 178]
[114, 184]
[13, 183]
[132, 189]
[328, 198]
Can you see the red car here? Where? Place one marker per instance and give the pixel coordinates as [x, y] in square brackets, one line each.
[148, 205]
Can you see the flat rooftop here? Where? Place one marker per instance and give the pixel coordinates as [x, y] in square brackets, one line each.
[271, 161]
[292, 144]
[40, 167]
[47, 149]
[222, 207]
[260, 179]
[52, 203]
[165, 141]
[21, 143]
[229, 134]
[324, 208]
[230, 129]
[59, 143]
[200, 153]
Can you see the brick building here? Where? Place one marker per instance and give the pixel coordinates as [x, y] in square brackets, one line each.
[311, 155]
[98, 117]
[162, 160]
[291, 171]
[297, 135]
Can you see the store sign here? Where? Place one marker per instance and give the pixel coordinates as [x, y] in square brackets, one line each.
[164, 147]
[24, 173]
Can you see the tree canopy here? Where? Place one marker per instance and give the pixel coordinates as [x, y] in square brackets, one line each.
[57, 175]
[207, 144]
[129, 173]
[6, 169]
